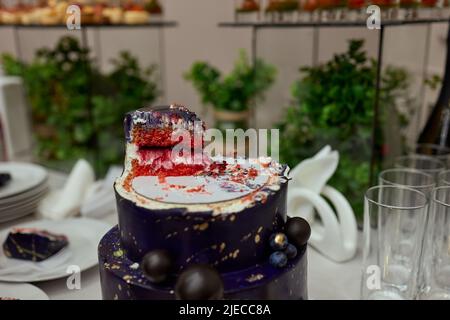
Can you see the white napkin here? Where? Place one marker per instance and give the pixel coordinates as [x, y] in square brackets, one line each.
[100, 198]
[335, 234]
[313, 174]
[60, 204]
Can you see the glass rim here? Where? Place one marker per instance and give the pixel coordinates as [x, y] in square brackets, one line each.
[423, 157]
[435, 147]
[409, 170]
[434, 193]
[396, 207]
[443, 173]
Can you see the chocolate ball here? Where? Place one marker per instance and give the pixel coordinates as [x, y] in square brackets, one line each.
[278, 259]
[278, 241]
[199, 282]
[157, 265]
[298, 231]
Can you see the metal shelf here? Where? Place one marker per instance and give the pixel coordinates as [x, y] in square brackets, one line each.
[154, 24]
[343, 24]
[444, 96]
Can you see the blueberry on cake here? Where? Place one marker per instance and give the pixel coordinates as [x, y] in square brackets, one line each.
[33, 244]
[193, 226]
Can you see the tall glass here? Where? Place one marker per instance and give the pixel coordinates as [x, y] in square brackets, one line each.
[433, 150]
[435, 272]
[427, 164]
[407, 177]
[394, 220]
[444, 178]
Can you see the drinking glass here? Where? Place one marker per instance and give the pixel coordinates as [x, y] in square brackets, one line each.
[407, 177]
[444, 178]
[394, 220]
[433, 150]
[427, 164]
[435, 268]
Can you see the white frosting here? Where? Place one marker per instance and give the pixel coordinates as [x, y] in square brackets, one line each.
[272, 172]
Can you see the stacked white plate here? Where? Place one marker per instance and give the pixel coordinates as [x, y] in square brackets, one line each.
[21, 195]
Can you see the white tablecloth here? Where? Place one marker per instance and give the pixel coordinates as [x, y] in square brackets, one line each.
[326, 279]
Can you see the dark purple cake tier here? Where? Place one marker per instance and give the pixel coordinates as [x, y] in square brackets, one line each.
[180, 208]
[226, 241]
[123, 279]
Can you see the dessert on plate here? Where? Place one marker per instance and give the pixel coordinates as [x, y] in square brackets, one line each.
[193, 226]
[33, 244]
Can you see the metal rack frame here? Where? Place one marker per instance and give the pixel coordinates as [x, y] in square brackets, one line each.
[444, 96]
[82, 32]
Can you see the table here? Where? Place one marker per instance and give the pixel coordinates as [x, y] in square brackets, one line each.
[326, 279]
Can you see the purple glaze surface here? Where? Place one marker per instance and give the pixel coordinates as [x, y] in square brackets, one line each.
[227, 241]
[122, 278]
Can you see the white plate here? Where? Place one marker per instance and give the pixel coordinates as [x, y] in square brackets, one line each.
[11, 206]
[21, 291]
[18, 213]
[24, 177]
[42, 188]
[17, 216]
[83, 234]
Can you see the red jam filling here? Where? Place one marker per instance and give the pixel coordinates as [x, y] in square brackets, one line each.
[156, 156]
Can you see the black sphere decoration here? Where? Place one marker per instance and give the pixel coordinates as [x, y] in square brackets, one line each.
[199, 282]
[298, 231]
[157, 265]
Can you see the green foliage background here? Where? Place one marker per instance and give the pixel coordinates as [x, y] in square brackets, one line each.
[238, 90]
[333, 104]
[77, 111]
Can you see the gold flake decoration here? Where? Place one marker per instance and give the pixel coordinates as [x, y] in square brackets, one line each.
[235, 254]
[232, 217]
[170, 235]
[118, 253]
[222, 246]
[127, 278]
[246, 237]
[255, 277]
[201, 227]
[257, 238]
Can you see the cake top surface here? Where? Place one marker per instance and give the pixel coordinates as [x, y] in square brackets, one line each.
[157, 175]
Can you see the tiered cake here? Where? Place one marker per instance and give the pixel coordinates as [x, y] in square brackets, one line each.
[200, 212]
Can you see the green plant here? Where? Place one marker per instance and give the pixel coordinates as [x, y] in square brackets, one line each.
[333, 104]
[236, 91]
[77, 111]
